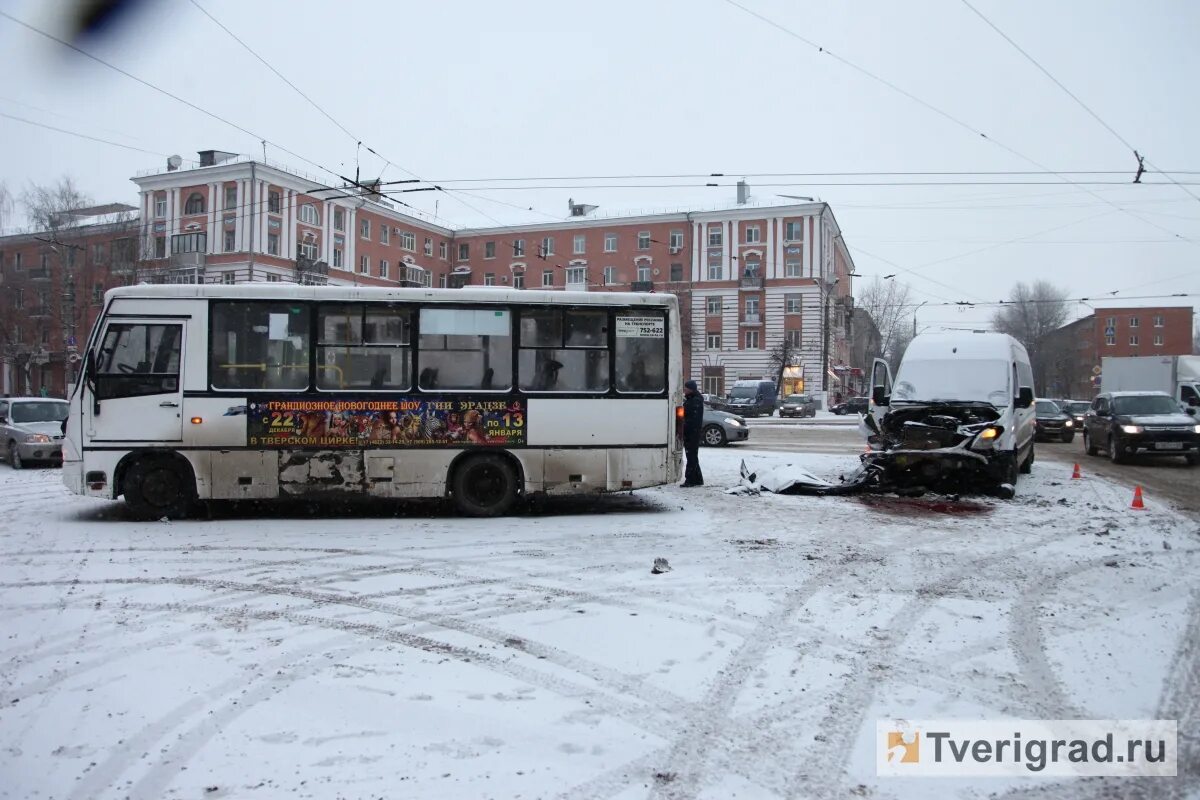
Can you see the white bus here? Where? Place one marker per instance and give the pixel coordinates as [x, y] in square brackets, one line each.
[197, 392]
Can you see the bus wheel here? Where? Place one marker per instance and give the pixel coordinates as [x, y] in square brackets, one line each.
[484, 486]
[158, 487]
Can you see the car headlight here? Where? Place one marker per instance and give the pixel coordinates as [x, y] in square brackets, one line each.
[737, 423]
[990, 434]
[37, 438]
[1069, 424]
[1196, 429]
[1132, 428]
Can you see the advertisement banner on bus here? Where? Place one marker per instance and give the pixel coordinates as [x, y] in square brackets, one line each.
[391, 422]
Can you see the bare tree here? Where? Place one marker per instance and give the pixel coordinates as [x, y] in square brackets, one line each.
[784, 354]
[48, 206]
[1032, 313]
[888, 304]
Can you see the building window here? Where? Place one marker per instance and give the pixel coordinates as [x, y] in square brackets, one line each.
[548, 246]
[676, 241]
[610, 276]
[1134, 322]
[715, 272]
[18, 298]
[1110, 340]
[792, 339]
[383, 268]
[577, 275]
[337, 257]
[792, 303]
[272, 244]
[793, 231]
[227, 277]
[230, 240]
[97, 292]
[160, 247]
[195, 204]
[752, 340]
[676, 273]
[715, 236]
[753, 234]
[339, 219]
[579, 244]
[1158, 340]
[385, 234]
[230, 197]
[364, 264]
[160, 205]
[464, 252]
[713, 307]
[443, 250]
[100, 253]
[1110, 322]
[489, 249]
[752, 269]
[518, 247]
[643, 273]
[1133, 341]
[518, 280]
[443, 281]
[752, 309]
[364, 228]
[489, 279]
[308, 214]
[643, 240]
[610, 243]
[274, 203]
[272, 277]
[16, 261]
[428, 246]
[408, 241]
[1158, 320]
[308, 249]
[548, 277]
[713, 341]
[791, 269]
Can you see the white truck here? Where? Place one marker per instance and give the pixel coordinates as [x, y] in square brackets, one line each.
[1178, 376]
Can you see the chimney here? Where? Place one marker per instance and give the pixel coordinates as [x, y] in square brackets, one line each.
[210, 158]
[580, 209]
[743, 192]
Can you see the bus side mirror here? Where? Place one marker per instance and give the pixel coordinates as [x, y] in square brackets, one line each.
[1025, 397]
[878, 396]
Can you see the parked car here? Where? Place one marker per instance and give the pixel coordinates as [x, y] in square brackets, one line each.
[1142, 423]
[721, 428]
[798, 405]
[752, 398]
[714, 401]
[31, 429]
[855, 405]
[1050, 422]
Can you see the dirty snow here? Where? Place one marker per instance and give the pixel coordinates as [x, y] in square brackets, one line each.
[307, 651]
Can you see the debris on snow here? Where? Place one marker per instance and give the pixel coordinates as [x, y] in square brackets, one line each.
[660, 566]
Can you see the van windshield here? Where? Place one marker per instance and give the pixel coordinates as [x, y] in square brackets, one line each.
[744, 392]
[953, 380]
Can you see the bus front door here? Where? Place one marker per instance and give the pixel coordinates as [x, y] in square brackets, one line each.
[136, 387]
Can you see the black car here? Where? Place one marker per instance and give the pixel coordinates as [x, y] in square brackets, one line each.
[1075, 409]
[855, 405]
[1142, 423]
[1051, 423]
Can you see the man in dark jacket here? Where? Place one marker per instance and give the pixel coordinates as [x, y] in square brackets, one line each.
[693, 424]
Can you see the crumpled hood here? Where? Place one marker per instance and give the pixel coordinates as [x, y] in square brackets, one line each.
[48, 428]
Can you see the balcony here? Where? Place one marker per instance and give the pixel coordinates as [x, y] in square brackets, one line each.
[751, 318]
[751, 282]
[186, 261]
[641, 286]
[310, 266]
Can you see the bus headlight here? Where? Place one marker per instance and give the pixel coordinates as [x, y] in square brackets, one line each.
[1132, 428]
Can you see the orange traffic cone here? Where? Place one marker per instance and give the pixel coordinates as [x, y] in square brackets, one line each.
[1137, 499]
[1075, 475]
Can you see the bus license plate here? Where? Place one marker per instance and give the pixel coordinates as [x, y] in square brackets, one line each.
[1168, 445]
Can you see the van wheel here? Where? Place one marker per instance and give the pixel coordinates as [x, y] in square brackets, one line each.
[484, 486]
[1088, 446]
[1027, 464]
[156, 487]
[714, 436]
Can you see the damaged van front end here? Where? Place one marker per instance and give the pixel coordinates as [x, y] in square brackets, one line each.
[941, 446]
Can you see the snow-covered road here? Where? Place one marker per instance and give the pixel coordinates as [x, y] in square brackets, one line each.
[300, 651]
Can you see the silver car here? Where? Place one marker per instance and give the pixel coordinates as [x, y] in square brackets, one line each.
[721, 428]
[31, 429]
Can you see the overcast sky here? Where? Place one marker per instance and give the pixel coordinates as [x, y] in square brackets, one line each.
[481, 90]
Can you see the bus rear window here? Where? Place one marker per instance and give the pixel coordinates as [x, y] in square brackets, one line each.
[641, 354]
[259, 346]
